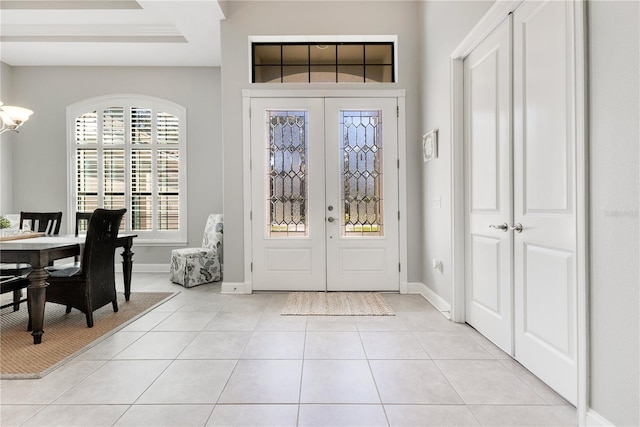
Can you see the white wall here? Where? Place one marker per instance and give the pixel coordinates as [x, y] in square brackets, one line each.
[7, 141]
[614, 140]
[444, 25]
[314, 18]
[39, 151]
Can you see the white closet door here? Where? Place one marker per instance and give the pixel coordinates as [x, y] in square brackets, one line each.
[545, 193]
[488, 292]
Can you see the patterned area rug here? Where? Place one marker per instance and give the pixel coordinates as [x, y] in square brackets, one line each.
[65, 335]
[336, 304]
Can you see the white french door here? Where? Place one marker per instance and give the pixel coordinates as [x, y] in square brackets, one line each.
[324, 194]
[520, 188]
[287, 194]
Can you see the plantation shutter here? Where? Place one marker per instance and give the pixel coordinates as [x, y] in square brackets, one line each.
[129, 155]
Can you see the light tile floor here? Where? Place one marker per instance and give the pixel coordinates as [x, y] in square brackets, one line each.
[206, 359]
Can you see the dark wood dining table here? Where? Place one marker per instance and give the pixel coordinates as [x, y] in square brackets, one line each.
[39, 252]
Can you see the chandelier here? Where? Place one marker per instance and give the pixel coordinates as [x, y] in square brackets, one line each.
[13, 117]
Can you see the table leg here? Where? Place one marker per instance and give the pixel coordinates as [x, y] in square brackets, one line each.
[127, 264]
[36, 298]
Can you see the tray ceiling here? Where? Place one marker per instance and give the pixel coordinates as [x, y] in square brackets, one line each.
[110, 32]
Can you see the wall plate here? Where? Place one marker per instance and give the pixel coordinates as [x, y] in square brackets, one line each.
[430, 145]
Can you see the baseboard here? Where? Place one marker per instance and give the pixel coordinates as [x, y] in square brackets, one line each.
[146, 268]
[235, 288]
[436, 300]
[596, 420]
[404, 288]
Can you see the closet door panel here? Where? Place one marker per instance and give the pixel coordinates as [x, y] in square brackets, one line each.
[542, 50]
[544, 194]
[488, 246]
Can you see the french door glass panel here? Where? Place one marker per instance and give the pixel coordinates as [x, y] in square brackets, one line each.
[287, 156]
[361, 173]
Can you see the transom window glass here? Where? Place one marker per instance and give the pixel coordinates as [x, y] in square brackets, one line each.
[130, 153]
[346, 62]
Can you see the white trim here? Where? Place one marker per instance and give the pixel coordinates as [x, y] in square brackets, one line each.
[247, 94]
[457, 191]
[404, 287]
[402, 193]
[246, 190]
[594, 419]
[436, 300]
[235, 288]
[371, 38]
[485, 26]
[159, 242]
[582, 209]
[323, 93]
[146, 268]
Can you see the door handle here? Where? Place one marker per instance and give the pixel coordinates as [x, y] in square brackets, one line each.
[331, 219]
[517, 227]
[503, 226]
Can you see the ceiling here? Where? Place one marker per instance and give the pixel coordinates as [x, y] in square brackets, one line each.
[110, 32]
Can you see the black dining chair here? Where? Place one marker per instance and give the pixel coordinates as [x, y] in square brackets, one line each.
[13, 284]
[39, 222]
[92, 284]
[82, 218]
[82, 224]
[42, 222]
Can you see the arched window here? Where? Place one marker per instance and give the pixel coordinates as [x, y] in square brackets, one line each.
[129, 151]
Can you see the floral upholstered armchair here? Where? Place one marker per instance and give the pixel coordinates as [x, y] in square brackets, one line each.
[196, 266]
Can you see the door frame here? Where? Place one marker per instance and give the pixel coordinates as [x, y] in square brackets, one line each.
[494, 16]
[247, 95]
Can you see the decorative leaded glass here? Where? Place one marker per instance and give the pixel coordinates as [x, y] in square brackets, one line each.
[287, 192]
[361, 173]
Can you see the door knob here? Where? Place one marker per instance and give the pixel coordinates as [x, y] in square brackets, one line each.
[517, 227]
[503, 226]
[331, 219]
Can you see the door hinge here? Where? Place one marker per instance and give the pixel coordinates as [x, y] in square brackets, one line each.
[397, 111]
[252, 267]
[399, 268]
[250, 215]
[398, 215]
[398, 162]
